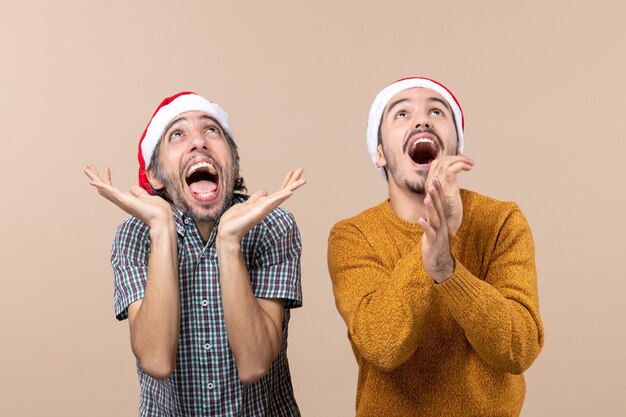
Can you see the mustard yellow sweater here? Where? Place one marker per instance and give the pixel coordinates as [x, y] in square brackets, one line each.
[423, 349]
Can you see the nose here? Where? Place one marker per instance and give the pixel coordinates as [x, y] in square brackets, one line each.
[198, 141]
[422, 122]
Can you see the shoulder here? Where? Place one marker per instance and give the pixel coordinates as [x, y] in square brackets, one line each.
[484, 213]
[361, 226]
[279, 219]
[475, 204]
[363, 220]
[132, 228]
[278, 224]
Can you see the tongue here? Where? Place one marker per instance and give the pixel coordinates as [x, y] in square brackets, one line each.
[202, 187]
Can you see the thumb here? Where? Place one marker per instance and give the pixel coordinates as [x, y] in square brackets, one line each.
[254, 197]
[138, 191]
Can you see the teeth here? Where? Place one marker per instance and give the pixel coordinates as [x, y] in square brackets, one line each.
[422, 140]
[199, 165]
[206, 195]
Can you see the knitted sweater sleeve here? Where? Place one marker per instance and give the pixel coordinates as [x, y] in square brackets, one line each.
[383, 307]
[500, 314]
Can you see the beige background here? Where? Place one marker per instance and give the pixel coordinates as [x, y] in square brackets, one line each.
[542, 86]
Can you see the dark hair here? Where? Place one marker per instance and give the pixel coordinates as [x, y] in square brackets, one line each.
[155, 166]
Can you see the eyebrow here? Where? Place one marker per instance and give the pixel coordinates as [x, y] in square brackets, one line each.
[181, 118]
[445, 104]
[395, 103]
[435, 99]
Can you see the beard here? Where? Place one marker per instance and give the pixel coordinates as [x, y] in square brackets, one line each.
[174, 194]
[418, 186]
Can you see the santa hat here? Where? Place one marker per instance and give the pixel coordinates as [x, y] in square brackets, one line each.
[381, 100]
[167, 111]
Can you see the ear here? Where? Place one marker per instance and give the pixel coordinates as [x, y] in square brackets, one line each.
[154, 181]
[381, 162]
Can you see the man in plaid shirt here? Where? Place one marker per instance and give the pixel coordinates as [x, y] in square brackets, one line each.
[205, 274]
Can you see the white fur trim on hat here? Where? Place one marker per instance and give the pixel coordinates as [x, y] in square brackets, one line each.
[167, 113]
[381, 100]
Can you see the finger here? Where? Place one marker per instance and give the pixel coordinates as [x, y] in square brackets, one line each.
[297, 174]
[91, 172]
[466, 157]
[107, 176]
[438, 198]
[429, 232]
[292, 177]
[436, 169]
[138, 191]
[431, 212]
[459, 166]
[460, 159]
[287, 179]
[271, 202]
[295, 185]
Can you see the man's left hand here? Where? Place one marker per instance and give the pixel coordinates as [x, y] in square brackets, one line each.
[437, 259]
[240, 218]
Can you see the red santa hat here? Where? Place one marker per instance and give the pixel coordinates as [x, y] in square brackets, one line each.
[167, 111]
[381, 100]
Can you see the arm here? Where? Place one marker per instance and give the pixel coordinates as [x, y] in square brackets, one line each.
[253, 325]
[385, 310]
[154, 319]
[500, 315]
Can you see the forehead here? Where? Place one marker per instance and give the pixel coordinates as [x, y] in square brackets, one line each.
[415, 95]
[192, 115]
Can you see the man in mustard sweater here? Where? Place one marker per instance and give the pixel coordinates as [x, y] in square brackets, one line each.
[437, 285]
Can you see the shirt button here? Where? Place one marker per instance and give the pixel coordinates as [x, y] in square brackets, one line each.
[204, 303]
[207, 346]
[187, 220]
[180, 229]
[210, 385]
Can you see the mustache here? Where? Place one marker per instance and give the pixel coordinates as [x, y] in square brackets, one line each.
[417, 132]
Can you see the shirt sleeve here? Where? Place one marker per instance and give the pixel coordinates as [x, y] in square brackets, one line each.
[500, 314]
[275, 268]
[384, 308]
[129, 258]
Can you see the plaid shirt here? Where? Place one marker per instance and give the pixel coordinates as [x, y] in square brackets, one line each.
[205, 381]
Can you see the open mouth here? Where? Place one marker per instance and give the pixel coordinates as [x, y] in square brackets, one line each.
[202, 179]
[423, 151]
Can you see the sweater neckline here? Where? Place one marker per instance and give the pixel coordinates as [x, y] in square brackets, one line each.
[394, 218]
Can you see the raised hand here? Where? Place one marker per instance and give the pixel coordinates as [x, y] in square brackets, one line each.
[436, 256]
[446, 169]
[152, 210]
[240, 218]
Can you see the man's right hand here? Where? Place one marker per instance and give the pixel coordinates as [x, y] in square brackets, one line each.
[150, 209]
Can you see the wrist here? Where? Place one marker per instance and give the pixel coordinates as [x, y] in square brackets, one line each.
[161, 228]
[227, 244]
[446, 272]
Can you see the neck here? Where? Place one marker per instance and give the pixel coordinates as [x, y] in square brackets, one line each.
[205, 229]
[409, 206]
